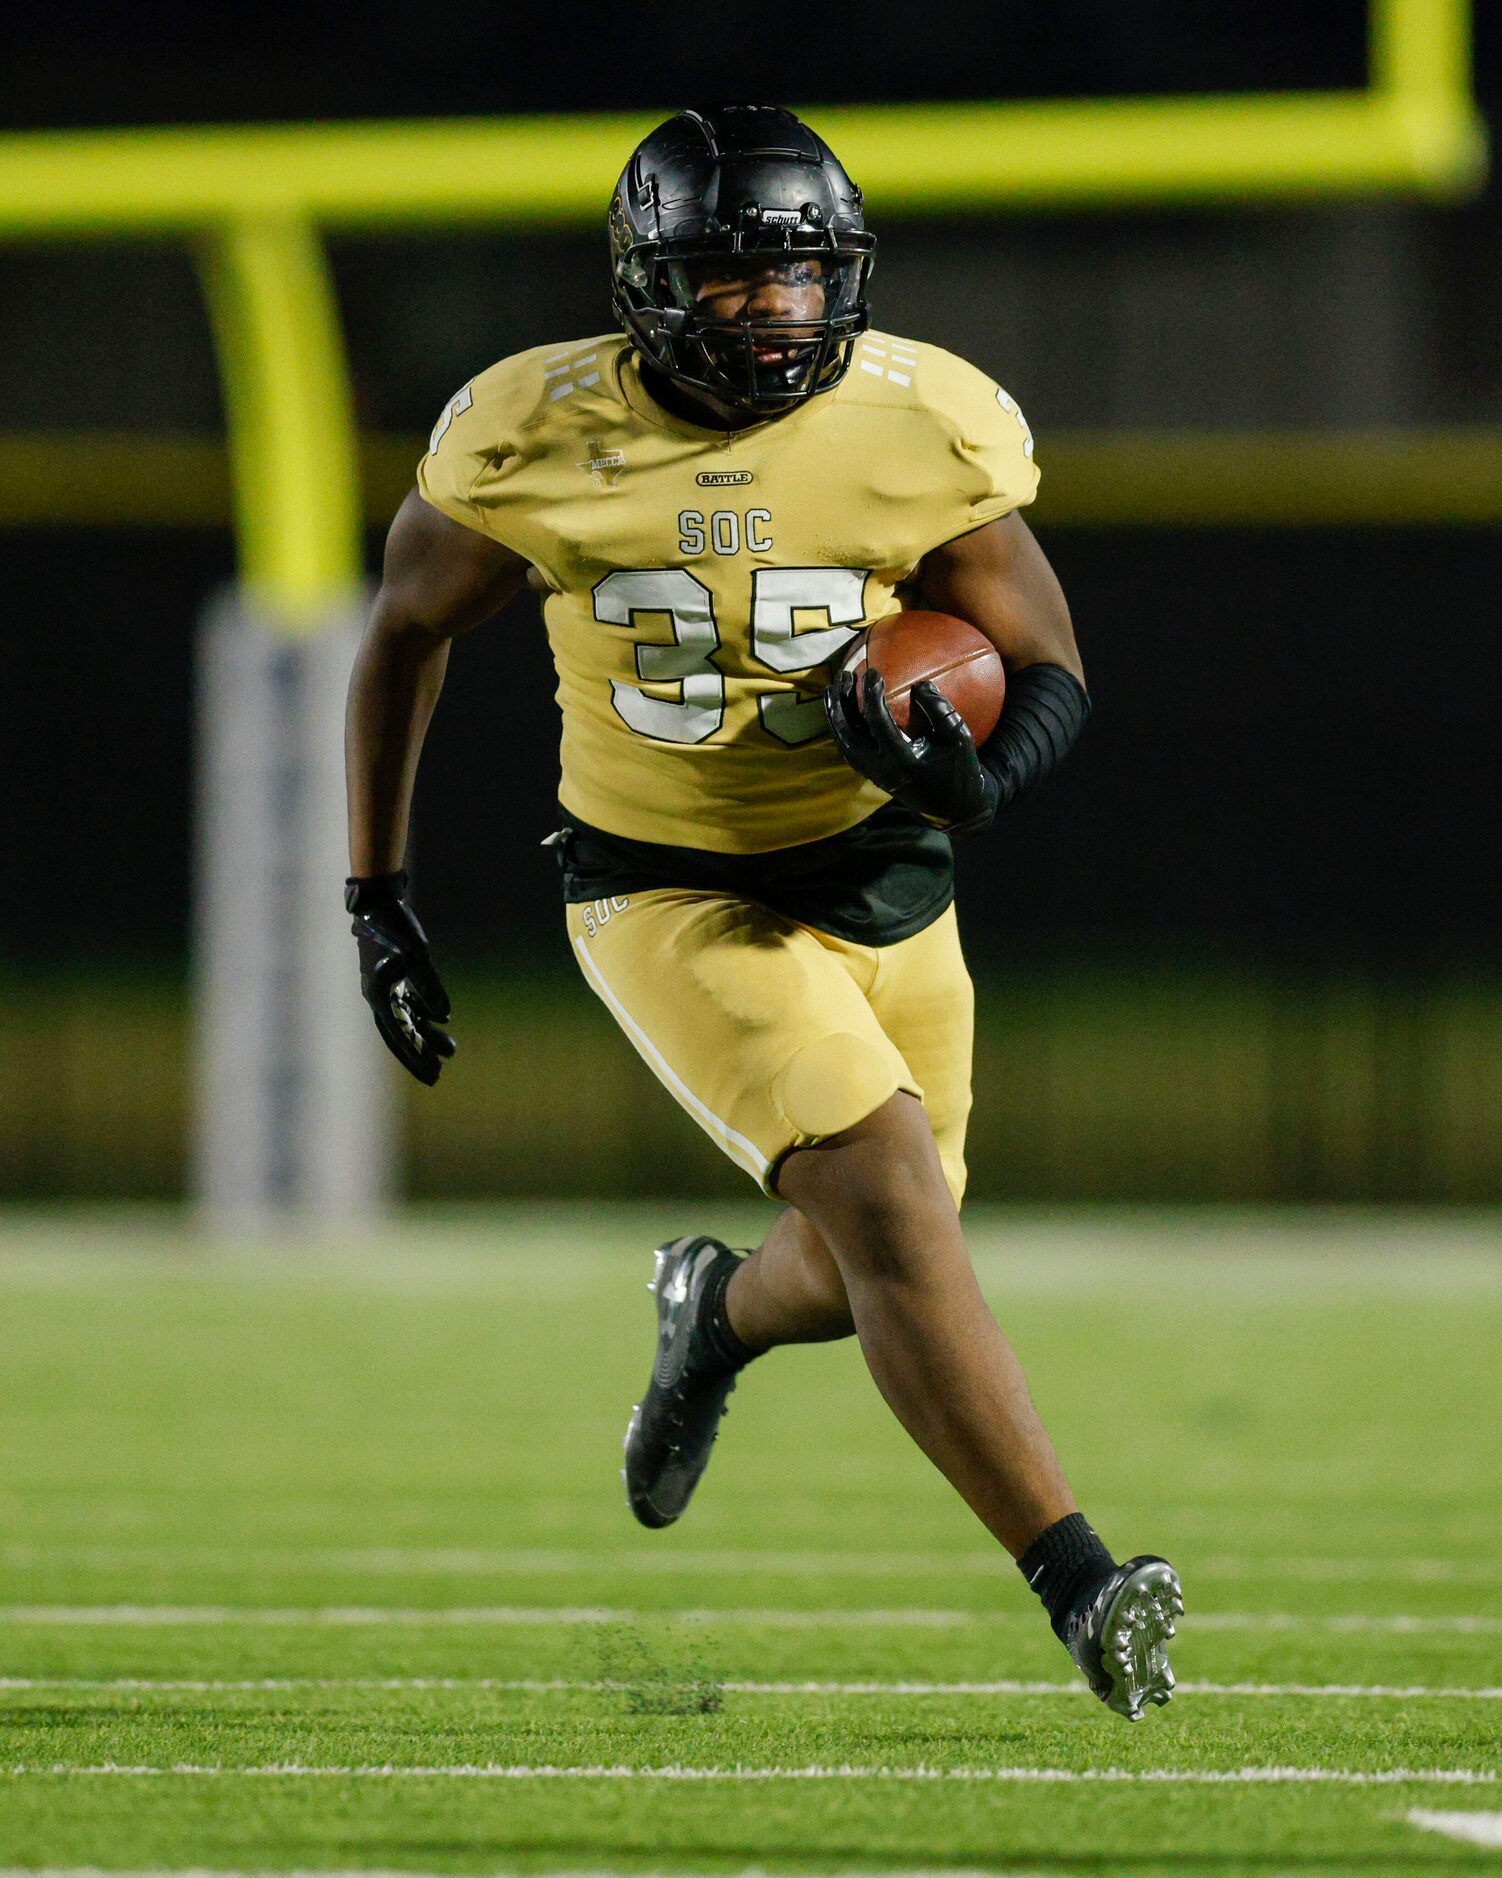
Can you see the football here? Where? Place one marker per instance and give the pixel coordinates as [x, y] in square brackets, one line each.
[906, 648]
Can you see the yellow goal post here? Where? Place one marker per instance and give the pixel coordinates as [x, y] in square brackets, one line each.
[255, 200]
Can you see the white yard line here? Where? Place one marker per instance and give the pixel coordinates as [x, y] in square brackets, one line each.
[540, 1616]
[1255, 1253]
[1484, 1829]
[1148, 1776]
[523, 1685]
[205, 1871]
[482, 1616]
[1390, 1625]
[558, 1562]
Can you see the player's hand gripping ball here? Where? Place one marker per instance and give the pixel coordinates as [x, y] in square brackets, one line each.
[912, 700]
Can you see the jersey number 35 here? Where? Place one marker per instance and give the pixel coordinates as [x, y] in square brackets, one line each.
[778, 596]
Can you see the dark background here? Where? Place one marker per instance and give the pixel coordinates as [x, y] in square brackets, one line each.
[73, 64]
[1293, 768]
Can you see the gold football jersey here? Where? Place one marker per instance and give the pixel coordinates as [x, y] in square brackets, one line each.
[701, 583]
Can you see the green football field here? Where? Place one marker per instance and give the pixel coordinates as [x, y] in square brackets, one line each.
[316, 1558]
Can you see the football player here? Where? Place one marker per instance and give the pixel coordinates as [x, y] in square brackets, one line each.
[756, 861]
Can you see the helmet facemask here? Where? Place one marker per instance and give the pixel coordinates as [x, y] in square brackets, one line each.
[800, 302]
[740, 257]
[799, 312]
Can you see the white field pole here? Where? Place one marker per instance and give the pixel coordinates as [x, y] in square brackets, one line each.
[293, 1113]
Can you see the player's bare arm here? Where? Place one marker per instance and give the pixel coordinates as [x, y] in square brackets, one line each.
[999, 579]
[439, 579]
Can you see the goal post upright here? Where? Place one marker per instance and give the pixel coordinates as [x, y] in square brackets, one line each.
[289, 414]
[293, 1100]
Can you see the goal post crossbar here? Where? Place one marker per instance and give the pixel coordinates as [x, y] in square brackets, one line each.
[255, 200]
[1414, 128]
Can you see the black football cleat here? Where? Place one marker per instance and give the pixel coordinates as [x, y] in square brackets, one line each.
[674, 1425]
[1119, 1638]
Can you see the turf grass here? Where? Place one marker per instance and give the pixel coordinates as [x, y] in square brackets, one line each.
[340, 1529]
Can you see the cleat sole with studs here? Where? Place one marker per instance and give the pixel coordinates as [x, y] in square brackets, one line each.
[1139, 1624]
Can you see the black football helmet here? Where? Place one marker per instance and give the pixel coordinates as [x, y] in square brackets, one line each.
[751, 185]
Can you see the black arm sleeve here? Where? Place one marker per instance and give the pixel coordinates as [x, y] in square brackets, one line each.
[1046, 708]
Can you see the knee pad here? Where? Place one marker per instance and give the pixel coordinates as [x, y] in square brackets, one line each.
[834, 1082]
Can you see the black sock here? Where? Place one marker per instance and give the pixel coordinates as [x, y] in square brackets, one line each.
[1064, 1563]
[715, 1318]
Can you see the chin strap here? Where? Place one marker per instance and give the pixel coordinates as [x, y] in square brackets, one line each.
[1046, 708]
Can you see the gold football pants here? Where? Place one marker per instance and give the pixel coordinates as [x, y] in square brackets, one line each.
[774, 1036]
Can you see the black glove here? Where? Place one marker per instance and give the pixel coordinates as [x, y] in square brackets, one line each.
[397, 975]
[934, 769]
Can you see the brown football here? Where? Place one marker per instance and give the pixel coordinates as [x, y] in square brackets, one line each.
[906, 648]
